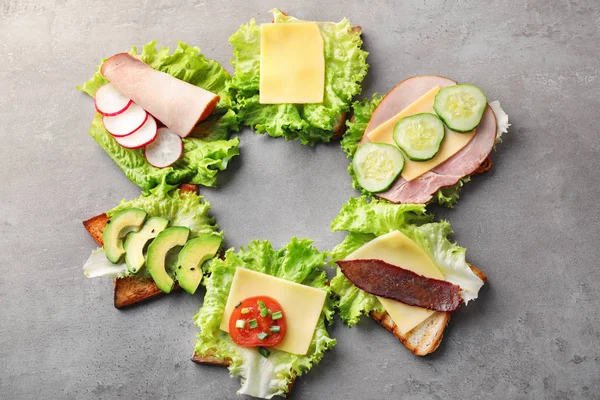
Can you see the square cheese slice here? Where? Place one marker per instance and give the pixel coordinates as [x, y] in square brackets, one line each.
[397, 249]
[301, 304]
[292, 63]
[453, 141]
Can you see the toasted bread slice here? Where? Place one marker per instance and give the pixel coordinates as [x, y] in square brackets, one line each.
[426, 337]
[129, 290]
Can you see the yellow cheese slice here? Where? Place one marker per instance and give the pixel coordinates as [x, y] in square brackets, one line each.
[451, 144]
[301, 304]
[397, 249]
[292, 63]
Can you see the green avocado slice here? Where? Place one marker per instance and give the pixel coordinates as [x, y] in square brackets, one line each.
[135, 242]
[123, 222]
[191, 258]
[157, 252]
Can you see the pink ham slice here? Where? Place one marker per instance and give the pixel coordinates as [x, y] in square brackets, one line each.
[463, 163]
[177, 104]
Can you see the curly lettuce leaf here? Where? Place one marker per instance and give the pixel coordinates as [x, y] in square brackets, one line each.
[345, 68]
[365, 220]
[180, 208]
[203, 157]
[356, 127]
[299, 261]
[448, 196]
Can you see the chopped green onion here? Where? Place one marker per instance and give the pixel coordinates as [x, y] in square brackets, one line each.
[275, 328]
[245, 310]
[262, 336]
[264, 352]
[252, 323]
[239, 303]
[240, 323]
[263, 309]
[277, 315]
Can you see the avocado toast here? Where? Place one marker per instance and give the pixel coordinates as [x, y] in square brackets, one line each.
[140, 279]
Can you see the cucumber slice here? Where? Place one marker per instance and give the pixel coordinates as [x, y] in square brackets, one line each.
[377, 165]
[420, 136]
[461, 107]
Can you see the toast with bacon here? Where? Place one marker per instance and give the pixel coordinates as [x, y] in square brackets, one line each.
[426, 337]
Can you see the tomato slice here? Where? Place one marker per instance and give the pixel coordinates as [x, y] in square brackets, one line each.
[267, 332]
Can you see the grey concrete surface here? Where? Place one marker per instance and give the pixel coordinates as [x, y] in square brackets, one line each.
[532, 224]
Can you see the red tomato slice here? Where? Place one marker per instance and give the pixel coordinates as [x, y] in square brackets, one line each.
[249, 310]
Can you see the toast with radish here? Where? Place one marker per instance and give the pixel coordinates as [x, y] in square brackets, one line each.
[147, 106]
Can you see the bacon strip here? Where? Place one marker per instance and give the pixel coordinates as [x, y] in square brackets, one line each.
[386, 280]
[177, 104]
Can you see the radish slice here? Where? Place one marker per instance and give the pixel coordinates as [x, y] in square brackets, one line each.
[165, 149]
[127, 122]
[110, 102]
[140, 138]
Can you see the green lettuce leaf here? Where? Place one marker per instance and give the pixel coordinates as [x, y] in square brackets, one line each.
[345, 68]
[365, 220]
[448, 196]
[356, 127]
[362, 111]
[299, 261]
[202, 158]
[181, 209]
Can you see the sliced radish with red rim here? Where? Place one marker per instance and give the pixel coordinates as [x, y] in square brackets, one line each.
[127, 122]
[142, 137]
[165, 149]
[110, 102]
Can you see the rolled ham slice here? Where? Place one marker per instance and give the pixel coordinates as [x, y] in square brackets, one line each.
[463, 163]
[177, 104]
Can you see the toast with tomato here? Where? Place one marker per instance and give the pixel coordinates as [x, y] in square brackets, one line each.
[265, 314]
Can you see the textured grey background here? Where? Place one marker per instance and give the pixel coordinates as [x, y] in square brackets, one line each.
[531, 224]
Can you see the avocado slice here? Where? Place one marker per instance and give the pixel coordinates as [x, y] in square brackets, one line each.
[157, 252]
[191, 258]
[123, 222]
[135, 242]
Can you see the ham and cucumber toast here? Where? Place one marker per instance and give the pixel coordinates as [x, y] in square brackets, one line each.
[446, 162]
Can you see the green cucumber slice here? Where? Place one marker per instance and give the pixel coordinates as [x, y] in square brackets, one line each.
[461, 107]
[377, 165]
[419, 136]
